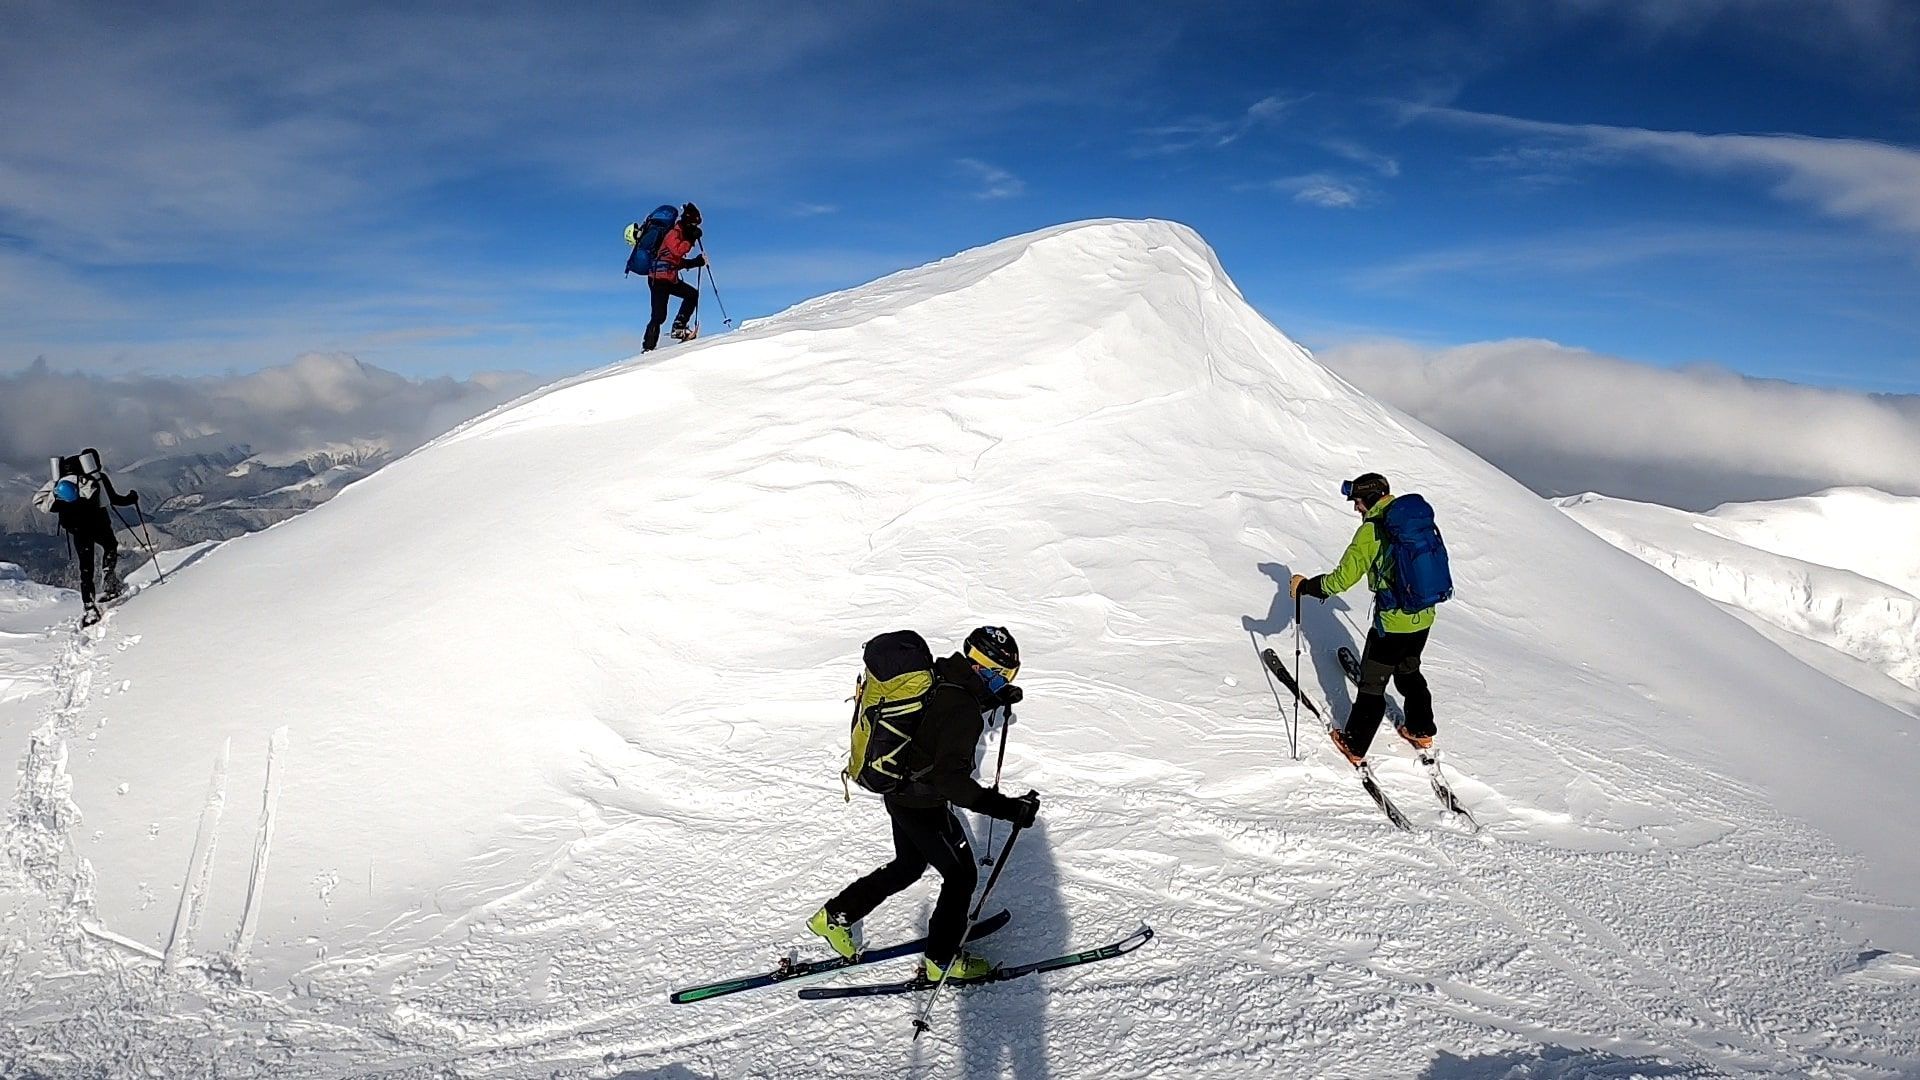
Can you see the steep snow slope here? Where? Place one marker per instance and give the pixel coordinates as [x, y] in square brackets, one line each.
[1829, 570]
[464, 770]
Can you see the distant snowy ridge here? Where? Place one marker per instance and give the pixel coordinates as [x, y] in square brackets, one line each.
[1833, 569]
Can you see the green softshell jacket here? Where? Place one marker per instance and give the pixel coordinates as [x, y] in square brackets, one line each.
[1363, 557]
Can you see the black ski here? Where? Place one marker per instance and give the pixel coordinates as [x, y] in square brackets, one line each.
[1272, 660]
[790, 969]
[1430, 759]
[1380, 799]
[1053, 963]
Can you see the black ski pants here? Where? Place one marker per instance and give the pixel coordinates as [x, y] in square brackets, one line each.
[1395, 656]
[922, 837]
[83, 540]
[663, 291]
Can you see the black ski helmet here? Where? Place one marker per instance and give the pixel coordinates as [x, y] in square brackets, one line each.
[1368, 488]
[994, 647]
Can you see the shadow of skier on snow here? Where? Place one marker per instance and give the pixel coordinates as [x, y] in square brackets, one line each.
[1323, 632]
[1003, 1028]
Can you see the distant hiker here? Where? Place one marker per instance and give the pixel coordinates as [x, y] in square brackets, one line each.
[74, 495]
[661, 246]
[1399, 550]
[940, 706]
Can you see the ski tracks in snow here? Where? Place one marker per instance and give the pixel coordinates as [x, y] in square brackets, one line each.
[1339, 946]
[76, 994]
[1669, 922]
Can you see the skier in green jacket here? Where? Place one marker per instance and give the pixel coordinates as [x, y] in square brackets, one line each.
[1395, 639]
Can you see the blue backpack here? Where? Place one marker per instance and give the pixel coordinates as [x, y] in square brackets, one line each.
[646, 236]
[1413, 556]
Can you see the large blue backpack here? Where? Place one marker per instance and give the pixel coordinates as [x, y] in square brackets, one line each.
[645, 236]
[1413, 556]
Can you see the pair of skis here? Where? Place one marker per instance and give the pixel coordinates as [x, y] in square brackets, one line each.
[1370, 783]
[790, 969]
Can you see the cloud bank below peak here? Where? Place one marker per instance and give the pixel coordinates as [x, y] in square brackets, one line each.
[318, 400]
[1563, 420]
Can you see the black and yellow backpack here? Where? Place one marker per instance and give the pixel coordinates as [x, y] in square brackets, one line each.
[889, 700]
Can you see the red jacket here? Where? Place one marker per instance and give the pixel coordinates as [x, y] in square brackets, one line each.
[672, 257]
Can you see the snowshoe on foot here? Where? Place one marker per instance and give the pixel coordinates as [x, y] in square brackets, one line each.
[962, 967]
[1340, 744]
[685, 333]
[835, 931]
[111, 588]
[90, 616]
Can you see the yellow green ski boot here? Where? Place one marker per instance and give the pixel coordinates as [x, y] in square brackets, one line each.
[836, 932]
[963, 967]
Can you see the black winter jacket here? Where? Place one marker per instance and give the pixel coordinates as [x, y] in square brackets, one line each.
[940, 758]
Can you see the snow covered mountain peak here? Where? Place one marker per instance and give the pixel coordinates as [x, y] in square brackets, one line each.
[549, 715]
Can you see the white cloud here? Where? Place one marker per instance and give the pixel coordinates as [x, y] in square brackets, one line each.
[1875, 182]
[1565, 420]
[1318, 189]
[1211, 133]
[310, 130]
[1587, 251]
[1362, 155]
[316, 400]
[995, 182]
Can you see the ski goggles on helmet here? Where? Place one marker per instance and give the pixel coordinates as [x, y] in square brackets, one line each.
[1346, 488]
[997, 677]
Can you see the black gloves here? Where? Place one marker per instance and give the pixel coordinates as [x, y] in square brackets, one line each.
[1009, 696]
[1028, 809]
[694, 263]
[133, 496]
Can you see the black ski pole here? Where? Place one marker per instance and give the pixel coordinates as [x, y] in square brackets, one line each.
[920, 1022]
[128, 525]
[725, 320]
[1294, 737]
[995, 876]
[987, 859]
[141, 514]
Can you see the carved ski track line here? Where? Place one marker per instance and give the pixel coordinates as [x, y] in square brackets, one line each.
[193, 891]
[262, 845]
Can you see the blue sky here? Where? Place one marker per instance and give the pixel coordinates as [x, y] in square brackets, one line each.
[440, 191]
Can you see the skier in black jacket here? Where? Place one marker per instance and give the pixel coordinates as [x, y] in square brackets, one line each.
[968, 686]
[74, 496]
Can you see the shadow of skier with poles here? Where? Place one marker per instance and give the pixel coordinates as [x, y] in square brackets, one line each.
[1323, 629]
[1001, 1030]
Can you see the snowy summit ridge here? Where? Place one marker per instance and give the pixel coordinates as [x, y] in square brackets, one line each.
[562, 699]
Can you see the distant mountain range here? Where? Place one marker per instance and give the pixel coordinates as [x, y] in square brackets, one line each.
[204, 494]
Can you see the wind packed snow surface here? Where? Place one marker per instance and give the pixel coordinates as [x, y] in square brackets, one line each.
[461, 773]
